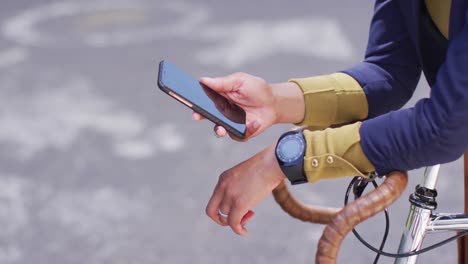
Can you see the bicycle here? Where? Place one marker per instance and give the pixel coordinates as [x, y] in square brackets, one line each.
[421, 218]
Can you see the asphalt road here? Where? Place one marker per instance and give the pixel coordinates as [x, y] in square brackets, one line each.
[99, 166]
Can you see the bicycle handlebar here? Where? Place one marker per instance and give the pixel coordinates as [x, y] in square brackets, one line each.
[342, 221]
[296, 209]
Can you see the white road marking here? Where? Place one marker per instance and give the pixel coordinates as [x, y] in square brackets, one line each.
[229, 45]
[88, 213]
[24, 28]
[12, 56]
[168, 137]
[250, 41]
[135, 149]
[162, 138]
[56, 116]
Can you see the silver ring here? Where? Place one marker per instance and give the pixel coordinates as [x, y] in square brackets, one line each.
[222, 214]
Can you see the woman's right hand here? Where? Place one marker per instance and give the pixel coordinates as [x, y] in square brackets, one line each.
[263, 103]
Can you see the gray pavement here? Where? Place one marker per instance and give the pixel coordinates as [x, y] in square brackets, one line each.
[99, 166]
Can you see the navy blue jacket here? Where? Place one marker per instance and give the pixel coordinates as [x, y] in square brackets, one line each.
[435, 130]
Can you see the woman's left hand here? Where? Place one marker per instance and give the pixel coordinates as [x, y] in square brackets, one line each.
[242, 187]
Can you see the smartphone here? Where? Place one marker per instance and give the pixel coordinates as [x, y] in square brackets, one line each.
[190, 92]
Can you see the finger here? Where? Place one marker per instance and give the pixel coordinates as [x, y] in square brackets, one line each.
[253, 128]
[234, 220]
[196, 116]
[220, 131]
[223, 213]
[214, 203]
[247, 217]
[225, 84]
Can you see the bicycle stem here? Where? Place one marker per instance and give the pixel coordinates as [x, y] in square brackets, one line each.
[422, 204]
[430, 177]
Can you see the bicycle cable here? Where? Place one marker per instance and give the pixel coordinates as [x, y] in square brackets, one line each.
[387, 218]
[393, 255]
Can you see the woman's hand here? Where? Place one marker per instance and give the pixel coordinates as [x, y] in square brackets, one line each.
[242, 187]
[264, 104]
[254, 95]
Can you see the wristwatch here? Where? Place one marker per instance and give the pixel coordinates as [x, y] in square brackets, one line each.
[290, 152]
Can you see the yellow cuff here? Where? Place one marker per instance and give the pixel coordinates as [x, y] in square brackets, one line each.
[332, 99]
[334, 153]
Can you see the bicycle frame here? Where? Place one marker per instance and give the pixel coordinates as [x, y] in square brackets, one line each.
[422, 220]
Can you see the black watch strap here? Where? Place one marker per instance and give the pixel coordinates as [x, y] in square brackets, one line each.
[295, 174]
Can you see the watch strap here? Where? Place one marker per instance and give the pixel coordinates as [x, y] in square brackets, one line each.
[295, 174]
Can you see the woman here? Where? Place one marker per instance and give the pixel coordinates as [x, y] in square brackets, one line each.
[406, 37]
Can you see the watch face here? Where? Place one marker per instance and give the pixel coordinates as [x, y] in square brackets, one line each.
[290, 148]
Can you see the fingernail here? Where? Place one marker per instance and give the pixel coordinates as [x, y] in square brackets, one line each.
[206, 79]
[255, 124]
[216, 132]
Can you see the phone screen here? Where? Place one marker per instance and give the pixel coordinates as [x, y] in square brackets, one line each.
[204, 100]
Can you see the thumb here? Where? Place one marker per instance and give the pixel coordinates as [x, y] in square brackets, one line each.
[230, 83]
[247, 217]
[253, 128]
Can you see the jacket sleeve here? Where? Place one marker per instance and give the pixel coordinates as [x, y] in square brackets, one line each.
[386, 78]
[435, 130]
[391, 70]
[331, 100]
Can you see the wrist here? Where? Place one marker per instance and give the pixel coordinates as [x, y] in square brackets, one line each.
[270, 158]
[289, 105]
